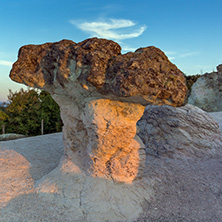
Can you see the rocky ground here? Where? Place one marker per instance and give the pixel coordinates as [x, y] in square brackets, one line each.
[186, 189]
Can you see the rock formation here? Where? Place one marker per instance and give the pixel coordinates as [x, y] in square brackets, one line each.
[101, 94]
[177, 132]
[206, 92]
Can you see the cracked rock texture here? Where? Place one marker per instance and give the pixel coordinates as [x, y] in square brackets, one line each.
[206, 92]
[176, 132]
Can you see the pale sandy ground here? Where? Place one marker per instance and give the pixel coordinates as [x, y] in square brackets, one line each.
[189, 190]
[43, 152]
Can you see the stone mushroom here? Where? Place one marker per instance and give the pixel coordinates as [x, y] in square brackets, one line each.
[102, 94]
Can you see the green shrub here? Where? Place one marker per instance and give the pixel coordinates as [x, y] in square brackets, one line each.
[27, 108]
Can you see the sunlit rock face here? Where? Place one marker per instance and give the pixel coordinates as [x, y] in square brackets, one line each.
[101, 138]
[101, 94]
[206, 92]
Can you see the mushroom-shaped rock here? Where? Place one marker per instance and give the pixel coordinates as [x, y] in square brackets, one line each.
[101, 94]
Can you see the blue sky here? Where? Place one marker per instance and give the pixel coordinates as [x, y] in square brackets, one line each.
[188, 31]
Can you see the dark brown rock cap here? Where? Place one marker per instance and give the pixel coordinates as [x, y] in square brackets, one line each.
[99, 64]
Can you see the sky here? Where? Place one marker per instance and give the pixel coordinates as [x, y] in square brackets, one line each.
[188, 31]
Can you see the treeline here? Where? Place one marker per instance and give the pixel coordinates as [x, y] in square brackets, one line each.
[26, 109]
[190, 80]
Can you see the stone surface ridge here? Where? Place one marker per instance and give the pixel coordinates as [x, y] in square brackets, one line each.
[97, 65]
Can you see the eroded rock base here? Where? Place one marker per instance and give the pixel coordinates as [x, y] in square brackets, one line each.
[67, 194]
[100, 137]
[94, 199]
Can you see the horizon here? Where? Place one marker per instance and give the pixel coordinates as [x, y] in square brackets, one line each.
[188, 32]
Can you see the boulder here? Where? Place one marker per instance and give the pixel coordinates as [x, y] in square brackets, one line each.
[176, 132]
[206, 92]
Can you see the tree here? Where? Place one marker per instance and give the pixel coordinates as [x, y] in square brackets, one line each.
[50, 113]
[26, 109]
[3, 117]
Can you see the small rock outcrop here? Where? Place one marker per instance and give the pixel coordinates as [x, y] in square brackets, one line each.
[206, 92]
[177, 132]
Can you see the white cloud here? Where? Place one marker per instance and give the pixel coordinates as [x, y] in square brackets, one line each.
[126, 48]
[171, 58]
[170, 53]
[111, 29]
[174, 55]
[6, 63]
[188, 54]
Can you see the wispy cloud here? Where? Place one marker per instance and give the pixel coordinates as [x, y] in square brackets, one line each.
[127, 48]
[111, 29]
[5, 63]
[188, 54]
[174, 55]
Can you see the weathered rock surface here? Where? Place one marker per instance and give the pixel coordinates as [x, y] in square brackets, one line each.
[206, 92]
[101, 138]
[174, 132]
[146, 72]
[97, 65]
